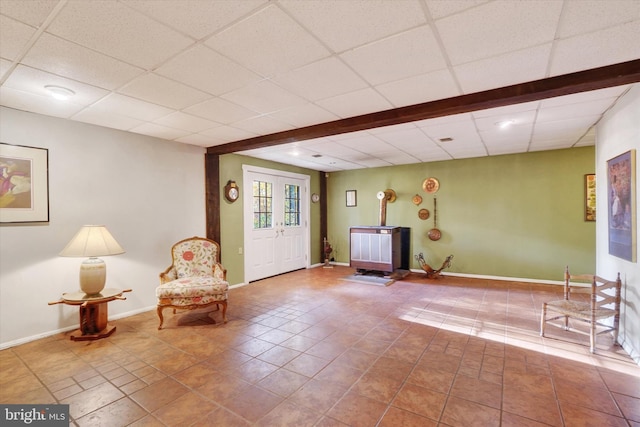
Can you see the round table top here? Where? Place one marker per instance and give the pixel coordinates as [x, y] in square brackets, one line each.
[82, 297]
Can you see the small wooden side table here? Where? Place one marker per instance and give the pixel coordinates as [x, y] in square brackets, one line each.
[93, 312]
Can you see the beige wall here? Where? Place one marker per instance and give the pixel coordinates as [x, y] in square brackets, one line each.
[147, 191]
[617, 133]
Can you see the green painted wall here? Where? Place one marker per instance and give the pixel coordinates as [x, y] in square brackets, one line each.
[231, 222]
[513, 215]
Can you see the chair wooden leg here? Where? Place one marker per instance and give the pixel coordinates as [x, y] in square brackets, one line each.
[224, 310]
[543, 316]
[159, 310]
[592, 337]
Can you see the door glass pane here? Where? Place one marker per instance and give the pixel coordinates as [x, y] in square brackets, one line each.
[262, 208]
[291, 205]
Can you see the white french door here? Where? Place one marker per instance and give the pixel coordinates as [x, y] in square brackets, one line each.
[276, 218]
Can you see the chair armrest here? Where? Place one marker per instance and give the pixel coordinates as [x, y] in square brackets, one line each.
[168, 275]
[219, 271]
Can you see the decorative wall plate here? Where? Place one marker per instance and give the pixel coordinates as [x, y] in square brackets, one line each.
[417, 199]
[423, 214]
[431, 185]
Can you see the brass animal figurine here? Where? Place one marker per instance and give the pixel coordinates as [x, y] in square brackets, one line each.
[431, 273]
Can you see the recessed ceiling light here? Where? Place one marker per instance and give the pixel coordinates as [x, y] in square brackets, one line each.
[503, 124]
[59, 92]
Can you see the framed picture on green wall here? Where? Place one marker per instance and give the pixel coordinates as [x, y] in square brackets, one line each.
[621, 191]
[590, 197]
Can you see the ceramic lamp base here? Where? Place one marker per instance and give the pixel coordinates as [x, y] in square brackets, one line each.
[93, 276]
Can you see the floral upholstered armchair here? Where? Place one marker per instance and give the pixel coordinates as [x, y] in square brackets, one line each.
[195, 279]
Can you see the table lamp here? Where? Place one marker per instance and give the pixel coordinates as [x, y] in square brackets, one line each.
[92, 241]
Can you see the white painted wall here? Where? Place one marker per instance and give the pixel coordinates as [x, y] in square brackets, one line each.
[617, 133]
[149, 193]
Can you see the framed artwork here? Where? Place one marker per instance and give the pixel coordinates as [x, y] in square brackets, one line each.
[352, 198]
[24, 184]
[590, 197]
[621, 191]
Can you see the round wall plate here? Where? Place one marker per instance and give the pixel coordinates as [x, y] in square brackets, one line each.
[423, 214]
[417, 199]
[431, 185]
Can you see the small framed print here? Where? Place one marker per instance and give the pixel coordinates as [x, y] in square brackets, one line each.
[24, 184]
[352, 198]
[590, 197]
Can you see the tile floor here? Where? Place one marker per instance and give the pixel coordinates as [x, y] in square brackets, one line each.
[310, 349]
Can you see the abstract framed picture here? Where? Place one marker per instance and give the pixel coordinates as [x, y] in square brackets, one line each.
[621, 193]
[590, 197]
[24, 184]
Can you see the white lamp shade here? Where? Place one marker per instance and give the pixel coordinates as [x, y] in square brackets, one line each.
[92, 241]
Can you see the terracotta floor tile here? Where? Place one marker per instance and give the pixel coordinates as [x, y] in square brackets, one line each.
[629, 405]
[288, 414]
[378, 387]
[421, 401]
[283, 382]
[253, 403]
[356, 410]
[318, 395]
[575, 416]
[181, 410]
[119, 413]
[159, 394]
[307, 348]
[463, 413]
[478, 391]
[395, 417]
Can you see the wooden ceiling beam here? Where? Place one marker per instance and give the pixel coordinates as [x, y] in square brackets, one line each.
[567, 84]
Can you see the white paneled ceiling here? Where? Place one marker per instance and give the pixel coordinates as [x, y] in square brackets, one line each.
[214, 72]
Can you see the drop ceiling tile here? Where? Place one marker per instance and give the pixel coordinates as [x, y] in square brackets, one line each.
[372, 162]
[262, 125]
[592, 108]
[393, 128]
[460, 132]
[67, 59]
[36, 103]
[501, 113]
[264, 97]
[585, 16]
[158, 131]
[466, 152]
[200, 140]
[551, 144]
[203, 68]
[186, 122]
[406, 140]
[15, 36]
[131, 107]
[32, 12]
[199, 18]
[162, 91]
[355, 103]
[401, 158]
[594, 95]
[394, 58]
[106, 118]
[334, 148]
[513, 135]
[5, 66]
[321, 79]
[572, 129]
[606, 47]
[228, 133]
[367, 144]
[344, 25]
[491, 123]
[513, 148]
[504, 70]
[118, 31]
[496, 28]
[34, 81]
[444, 119]
[221, 111]
[304, 115]
[268, 42]
[419, 89]
[440, 9]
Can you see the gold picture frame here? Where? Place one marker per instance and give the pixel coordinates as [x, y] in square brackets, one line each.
[590, 197]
